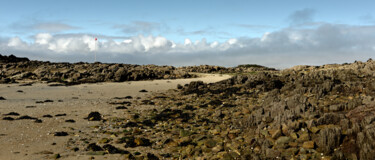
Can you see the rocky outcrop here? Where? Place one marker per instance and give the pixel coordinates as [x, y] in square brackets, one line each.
[13, 69]
[12, 59]
[306, 112]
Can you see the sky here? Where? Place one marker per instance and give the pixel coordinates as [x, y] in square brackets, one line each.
[273, 33]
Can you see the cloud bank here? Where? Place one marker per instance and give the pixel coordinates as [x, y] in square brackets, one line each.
[326, 43]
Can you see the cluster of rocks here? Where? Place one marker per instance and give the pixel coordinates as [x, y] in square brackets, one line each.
[249, 68]
[305, 112]
[13, 69]
[12, 59]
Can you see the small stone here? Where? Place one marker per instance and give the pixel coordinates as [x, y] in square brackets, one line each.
[47, 116]
[60, 115]
[61, 134]
[179, 86]
[94, 116]
[294, 135]
[104, 140]
[184, 133]
[70, 121]
[94, 147]
[304, 137]
[210, 143]
[8, 118]
[184, 141]
[137, 153]
[2, 98]
[289, 152]
[217, 148]
[257, 149]
[38, 121]
[138, 141]
[309, 145]
[283, 140]
[271, 153]
[143, 90]
[215, 132]
[113, 150]
[276, 134]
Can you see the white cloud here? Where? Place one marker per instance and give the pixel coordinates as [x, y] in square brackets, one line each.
[43, 38]
[187, 41]
[16, 42]
[327, 43]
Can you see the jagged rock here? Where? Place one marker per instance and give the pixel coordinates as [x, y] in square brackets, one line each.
[120, 75]
[193, 87]
[329, 118]
[329, 139]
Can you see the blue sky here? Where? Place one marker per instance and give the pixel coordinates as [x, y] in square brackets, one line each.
[281, 33]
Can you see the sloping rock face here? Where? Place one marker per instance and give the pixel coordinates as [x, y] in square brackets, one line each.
[13, 69]
[304, 112]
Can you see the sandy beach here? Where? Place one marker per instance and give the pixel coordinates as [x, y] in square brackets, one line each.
[63, 109]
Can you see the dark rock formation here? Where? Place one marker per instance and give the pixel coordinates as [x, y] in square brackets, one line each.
[13, 69]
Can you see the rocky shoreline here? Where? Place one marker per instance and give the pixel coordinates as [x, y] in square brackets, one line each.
[304, 112]
[13, 69]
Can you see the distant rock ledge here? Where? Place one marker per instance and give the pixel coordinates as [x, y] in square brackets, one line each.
[12, 59]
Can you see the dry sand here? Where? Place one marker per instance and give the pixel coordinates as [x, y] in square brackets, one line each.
[25, 139]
